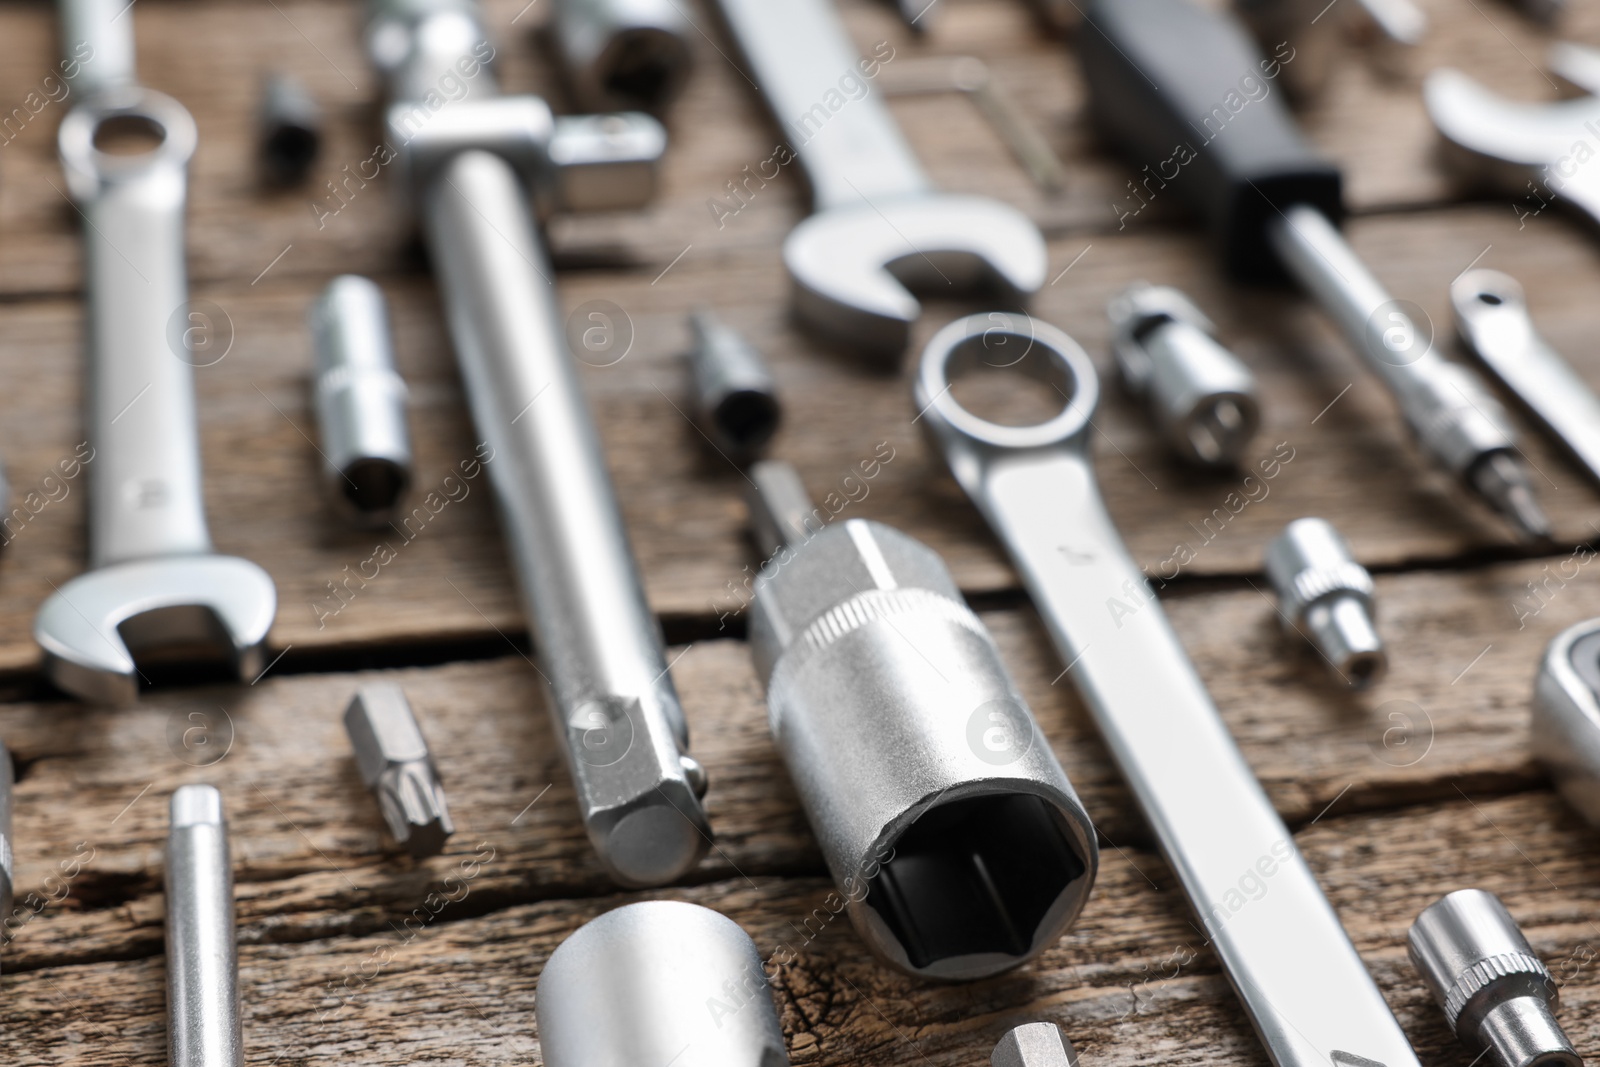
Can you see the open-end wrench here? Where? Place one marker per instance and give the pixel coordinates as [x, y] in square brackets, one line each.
[878, 225]
[469, 167]
[1538, 149]
[1305, 989]
[156, 580]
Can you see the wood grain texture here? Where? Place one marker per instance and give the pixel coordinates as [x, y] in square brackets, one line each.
[1395, 796]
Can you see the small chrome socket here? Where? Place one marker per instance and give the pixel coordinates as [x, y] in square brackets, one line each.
[1326, 596]
[622, 54]
[1496, 994]
[360, 402]
[735, 397]
[289, 130]
[1199, 393]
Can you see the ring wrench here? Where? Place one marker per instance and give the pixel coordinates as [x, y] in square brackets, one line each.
[155, 579]
[878, 224]
[1303, 985]
[469, 168]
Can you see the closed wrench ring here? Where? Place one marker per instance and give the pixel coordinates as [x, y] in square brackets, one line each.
[961, 346]
[88, 167]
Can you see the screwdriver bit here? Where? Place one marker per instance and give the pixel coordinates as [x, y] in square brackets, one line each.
[1165, 73]
[397, 767]
[1034, 1045]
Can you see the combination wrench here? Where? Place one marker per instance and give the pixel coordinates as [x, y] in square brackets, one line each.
[470, 169]
[1303, 985]
[877, 224]
[155, 579]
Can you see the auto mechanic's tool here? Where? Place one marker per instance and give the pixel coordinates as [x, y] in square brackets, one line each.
[288, 130]
[877, 224]
[1297, 29]
[155, 579]
[94, 47]
[1200, 395]
[1034, 1045]
[202, 953]
[951, 831]
[618, 54]
[1308, 995]
[1496, 994]
[916, 14]
[781, 512]
[660, 982]
[1565, 731]
[7, 857]
[1160, 74]
[1492, 319]
[398, 769]
[1534, 150]
[969, 76]
[469, 167]
[735, 397]
[1326, 596]
[360, 401]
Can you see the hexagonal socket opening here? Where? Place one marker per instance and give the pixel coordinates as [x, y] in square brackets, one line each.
[976, 876]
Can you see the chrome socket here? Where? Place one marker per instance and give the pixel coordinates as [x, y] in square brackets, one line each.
[1199, 394]
[622, 54]
[660, 982]
[1326, 596]
[360, 401]
[952, 834]
[288, 130]
[735, 397]
[1496, 994]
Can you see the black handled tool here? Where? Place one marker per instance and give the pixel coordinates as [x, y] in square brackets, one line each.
[1185, 95]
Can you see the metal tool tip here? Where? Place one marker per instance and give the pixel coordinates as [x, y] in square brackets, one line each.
[196, 805]
[1505, 486]
[413, 805]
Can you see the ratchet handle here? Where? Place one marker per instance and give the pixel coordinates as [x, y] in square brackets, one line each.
[145, 481]
[1185, 95]
[819, 89]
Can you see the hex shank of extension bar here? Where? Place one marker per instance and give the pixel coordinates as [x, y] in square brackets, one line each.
[1311, 999]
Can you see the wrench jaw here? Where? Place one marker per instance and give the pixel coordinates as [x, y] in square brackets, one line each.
[89, 628]
[854, 267]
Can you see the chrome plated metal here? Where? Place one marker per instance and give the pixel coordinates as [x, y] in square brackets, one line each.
[1565, 730]
[781, 512]
[1301, 982]
[202, 956]
[1200, 395]
[1496, 994]
[1493, 321]
[1456, 421]
[735, 396]
[1326, 596]
[7, 853]
[623, 53]
[288, 130]
[1034, 1045]
[611, 696]
[398, 769]
[97, 45]
[360, 401]
[953, 836]
[155, 579]
[877, 225]
[656, 983]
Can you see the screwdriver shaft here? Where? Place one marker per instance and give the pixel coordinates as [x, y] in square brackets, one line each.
[1457, 422]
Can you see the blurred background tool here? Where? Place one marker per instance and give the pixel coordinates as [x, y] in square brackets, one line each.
[1159, 72]
[288, 130]
[622, 54]
[735, 397]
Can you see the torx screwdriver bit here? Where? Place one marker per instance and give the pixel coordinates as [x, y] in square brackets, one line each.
[397, 767]
[1034, 1045]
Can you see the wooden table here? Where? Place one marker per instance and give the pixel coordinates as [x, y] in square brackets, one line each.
[1397, 796]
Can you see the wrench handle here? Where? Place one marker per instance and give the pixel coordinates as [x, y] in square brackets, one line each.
[145, 495]
[97, 50]
[819, 90]
[1301, 981]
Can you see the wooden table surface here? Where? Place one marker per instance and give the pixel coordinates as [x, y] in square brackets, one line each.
[1398, 795]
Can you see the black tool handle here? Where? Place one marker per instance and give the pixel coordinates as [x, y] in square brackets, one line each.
[1185, 95]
